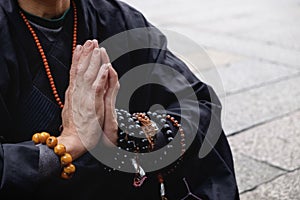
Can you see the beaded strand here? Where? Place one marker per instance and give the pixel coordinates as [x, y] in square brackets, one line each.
[43, 55]
[60, 150]
[128, 142]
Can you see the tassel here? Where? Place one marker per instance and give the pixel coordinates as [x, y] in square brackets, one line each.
[140, 175]
[162, 187]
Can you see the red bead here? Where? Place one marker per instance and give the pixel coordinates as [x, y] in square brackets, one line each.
[42, 53]
[160, 178]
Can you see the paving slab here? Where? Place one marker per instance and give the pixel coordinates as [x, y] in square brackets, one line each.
[191, 17]
[221, 58]
[277, 142]
[287, 36]
[251, 173]
[286, 187]
[240, 75]
[247, 109]
[251, 48]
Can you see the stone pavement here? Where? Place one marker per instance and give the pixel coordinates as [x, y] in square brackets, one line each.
[255, 46]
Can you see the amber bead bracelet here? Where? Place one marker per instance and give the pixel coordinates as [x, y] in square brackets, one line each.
[68, 169]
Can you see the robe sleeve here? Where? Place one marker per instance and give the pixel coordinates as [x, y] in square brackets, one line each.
[23, 165]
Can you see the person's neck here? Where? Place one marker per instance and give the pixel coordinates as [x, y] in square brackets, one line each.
[45, 8]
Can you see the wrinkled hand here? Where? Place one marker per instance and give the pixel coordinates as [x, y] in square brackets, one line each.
[84, 112]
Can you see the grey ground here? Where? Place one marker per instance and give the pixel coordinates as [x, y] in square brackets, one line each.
[255, 48]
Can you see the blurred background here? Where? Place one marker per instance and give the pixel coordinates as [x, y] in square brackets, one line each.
[255, 48]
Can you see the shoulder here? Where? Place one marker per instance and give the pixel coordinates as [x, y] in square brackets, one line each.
[6, 8]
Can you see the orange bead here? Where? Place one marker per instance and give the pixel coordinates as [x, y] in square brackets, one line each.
[51, 142]
[66, 159]
[70, 168]
[43, 137]
[60, 149]
[65, 175]
[36, 138]
[41, 50]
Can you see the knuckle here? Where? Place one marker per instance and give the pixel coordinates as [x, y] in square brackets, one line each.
[99, 88]
[87, 76]
[118, 85]
[103, 76]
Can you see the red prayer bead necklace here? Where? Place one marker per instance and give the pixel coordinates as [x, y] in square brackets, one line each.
[43, 55]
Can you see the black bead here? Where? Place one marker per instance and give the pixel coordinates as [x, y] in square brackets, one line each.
[166, 126]
[122, 143]
[130, 144]
[169, 133]
[130, 127]
[122, 134]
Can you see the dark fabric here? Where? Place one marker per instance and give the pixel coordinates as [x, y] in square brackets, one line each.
[27, 106]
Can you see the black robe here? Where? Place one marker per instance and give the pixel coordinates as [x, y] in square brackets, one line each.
[28, 106]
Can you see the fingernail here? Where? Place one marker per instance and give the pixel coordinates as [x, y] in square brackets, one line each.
[88, 43]
[78, 48]
[103, 49]
[106, 66]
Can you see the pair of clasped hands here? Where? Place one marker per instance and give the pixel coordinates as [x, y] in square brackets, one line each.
[89, 114]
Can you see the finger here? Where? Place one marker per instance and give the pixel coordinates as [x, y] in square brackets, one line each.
[101, 80]
[113, 82]
[95, 43]
[94, 66]
[73, 72]
[75, 60]
[104, 56]
[111, 93]
[99, 86]
[85, 56]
